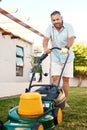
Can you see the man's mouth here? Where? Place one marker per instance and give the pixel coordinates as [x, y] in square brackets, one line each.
[57, 24]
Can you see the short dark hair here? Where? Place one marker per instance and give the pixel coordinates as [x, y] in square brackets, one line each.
[55, 12]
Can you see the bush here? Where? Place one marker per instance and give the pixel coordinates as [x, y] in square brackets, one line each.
[80, 62]
[34, 61]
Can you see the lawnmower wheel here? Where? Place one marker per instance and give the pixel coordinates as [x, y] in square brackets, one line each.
[38, 126]
[57, 114]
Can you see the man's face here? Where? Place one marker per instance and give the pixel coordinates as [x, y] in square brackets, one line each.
[57, 20]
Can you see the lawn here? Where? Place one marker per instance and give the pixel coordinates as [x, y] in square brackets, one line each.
[74, 117]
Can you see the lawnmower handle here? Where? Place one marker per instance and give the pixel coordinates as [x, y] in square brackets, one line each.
[55, 48]
[45, 55]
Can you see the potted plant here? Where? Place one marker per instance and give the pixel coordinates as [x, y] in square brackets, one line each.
[38, 74]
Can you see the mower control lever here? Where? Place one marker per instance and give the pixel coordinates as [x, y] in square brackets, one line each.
[42, 57]
[45, 55]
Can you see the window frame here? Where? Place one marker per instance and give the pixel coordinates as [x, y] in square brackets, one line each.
[20, 65]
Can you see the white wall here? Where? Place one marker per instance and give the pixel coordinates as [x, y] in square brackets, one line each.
[46, 69]
[8, 58]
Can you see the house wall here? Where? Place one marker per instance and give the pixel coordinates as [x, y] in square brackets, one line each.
[8, 58]
[46, 69]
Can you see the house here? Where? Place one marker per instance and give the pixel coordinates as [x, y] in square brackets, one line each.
[14, 57]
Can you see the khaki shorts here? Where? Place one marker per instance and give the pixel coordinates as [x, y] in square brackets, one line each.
[56, 69]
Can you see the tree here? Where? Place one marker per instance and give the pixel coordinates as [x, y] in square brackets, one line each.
[80, 62]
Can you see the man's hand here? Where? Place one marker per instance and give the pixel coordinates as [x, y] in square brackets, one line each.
[47, 51]
[64, 50]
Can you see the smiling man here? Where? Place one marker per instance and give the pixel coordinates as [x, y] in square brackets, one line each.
[62, 35]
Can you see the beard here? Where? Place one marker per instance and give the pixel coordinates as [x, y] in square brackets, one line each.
[58, 25]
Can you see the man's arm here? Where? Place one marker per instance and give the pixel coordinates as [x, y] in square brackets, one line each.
[45, 45]
[69, 44]
[70, 41]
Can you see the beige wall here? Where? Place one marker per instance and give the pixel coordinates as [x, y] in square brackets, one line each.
[8, 58]
[46, 69]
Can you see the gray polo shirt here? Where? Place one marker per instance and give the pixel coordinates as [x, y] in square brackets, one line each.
[59, 39]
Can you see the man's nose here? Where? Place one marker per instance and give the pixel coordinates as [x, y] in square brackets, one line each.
[56, 21]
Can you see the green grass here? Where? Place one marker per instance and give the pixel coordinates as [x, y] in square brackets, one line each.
[74, 117]
[5, 105]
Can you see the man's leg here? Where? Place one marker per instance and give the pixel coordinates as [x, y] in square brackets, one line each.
[66, 85]
[55, 80]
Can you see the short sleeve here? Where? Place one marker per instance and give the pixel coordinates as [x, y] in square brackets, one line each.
[48, 32]
[70, 31]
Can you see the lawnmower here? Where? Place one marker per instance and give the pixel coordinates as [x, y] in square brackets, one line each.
[40, 109]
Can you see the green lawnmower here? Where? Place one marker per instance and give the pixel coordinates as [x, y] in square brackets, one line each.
[40, 109]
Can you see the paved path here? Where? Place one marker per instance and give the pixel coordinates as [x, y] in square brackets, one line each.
[12, 89]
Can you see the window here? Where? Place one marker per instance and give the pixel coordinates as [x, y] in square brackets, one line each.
[19, 61]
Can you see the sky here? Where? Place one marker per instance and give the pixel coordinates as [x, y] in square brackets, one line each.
[73, 12]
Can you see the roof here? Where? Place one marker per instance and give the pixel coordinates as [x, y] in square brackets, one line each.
[4, 32]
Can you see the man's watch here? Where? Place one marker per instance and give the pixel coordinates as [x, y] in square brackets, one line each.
[67, 47]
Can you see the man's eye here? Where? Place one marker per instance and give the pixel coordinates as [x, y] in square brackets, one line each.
[55, 20]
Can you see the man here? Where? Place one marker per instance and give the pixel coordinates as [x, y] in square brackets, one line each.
[62, 35]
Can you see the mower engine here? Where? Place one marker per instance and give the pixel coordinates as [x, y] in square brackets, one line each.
[53, 94]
